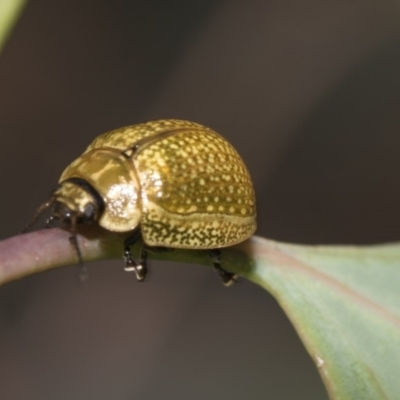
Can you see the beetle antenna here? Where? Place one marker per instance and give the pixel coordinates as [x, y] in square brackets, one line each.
[82, 272]
[38, 212]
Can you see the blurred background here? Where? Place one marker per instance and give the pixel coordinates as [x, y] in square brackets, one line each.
[307, 91]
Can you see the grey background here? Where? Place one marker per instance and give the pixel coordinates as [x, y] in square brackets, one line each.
[307, 91]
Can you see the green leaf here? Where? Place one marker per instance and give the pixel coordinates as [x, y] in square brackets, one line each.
[9, 12]
[345, 304]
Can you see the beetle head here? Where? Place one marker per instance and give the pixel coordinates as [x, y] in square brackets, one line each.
[75, 201]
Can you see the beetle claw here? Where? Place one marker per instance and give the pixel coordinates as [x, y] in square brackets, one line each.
[140, 269]
[228, 279]
[141, 272]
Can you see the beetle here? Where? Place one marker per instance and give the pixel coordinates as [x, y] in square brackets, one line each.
[173, 183]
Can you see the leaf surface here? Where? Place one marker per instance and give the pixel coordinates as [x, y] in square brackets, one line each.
[344, 302]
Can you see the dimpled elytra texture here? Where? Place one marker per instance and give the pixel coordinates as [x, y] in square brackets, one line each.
[195, 191]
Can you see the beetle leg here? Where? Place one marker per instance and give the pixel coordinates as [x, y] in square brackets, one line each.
[83, 273]
[228, 278]
[140, 268]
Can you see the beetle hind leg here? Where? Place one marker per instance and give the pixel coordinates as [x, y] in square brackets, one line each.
[228, 278]
[140, 268]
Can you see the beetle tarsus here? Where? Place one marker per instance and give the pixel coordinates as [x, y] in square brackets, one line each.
[140, 268]
[228, 278]
[130, 264]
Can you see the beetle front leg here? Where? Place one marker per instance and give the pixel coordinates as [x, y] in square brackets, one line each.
[228, 278]
[140, 268]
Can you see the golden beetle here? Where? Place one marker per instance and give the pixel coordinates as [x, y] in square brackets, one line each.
[176, 184]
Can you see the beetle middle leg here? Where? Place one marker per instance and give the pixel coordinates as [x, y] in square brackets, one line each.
[228, 278]
[139, 268]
